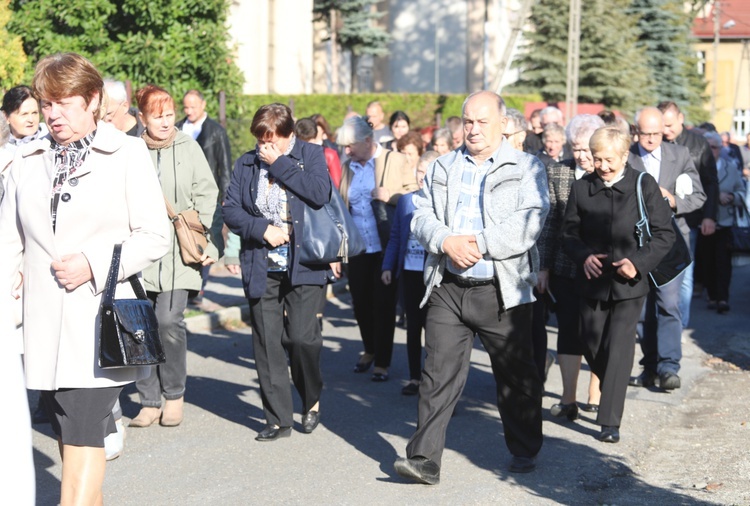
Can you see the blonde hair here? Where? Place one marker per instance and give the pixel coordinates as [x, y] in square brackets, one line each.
[610, 136]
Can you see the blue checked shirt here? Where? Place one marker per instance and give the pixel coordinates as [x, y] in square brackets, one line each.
[468, 218]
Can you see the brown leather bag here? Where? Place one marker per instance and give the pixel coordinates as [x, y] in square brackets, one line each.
[191, 234]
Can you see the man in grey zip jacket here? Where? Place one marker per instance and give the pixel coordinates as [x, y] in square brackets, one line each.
[478, 217]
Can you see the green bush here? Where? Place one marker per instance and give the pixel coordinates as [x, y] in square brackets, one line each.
[423, 109]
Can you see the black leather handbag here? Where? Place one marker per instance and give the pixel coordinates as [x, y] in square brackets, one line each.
[129, 331]
[676, 260]
[329, 234]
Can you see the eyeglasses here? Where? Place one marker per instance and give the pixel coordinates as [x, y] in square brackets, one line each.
[508, 136]
[650, 134]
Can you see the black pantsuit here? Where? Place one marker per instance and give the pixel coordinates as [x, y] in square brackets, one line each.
[608, 329]
[454, 315]
[298, 334]
[716, 255]
[374, 306]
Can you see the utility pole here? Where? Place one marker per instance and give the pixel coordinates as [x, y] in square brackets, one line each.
[574, 46]
[715, 78]
[521, 16]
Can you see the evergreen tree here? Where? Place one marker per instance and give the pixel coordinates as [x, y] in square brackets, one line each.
[12, 57]
[664, 28]
[355, 31]
[177, 44]
[612, 70]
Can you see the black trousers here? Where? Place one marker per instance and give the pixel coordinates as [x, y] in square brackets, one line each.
[298, 334]
[539, 333]
[608, 329]
[454, 315]
[374, 306]
[413, 285]
[716, 268]
[568, 316]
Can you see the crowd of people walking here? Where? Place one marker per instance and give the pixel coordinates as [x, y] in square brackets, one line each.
[483, 226]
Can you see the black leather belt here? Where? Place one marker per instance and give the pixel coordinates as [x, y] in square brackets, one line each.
[449, 277]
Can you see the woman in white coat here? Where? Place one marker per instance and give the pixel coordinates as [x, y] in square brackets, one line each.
[71, 197]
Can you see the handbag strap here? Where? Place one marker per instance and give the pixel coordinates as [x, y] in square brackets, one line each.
[642, 213]
[385, 166]
[114, 268]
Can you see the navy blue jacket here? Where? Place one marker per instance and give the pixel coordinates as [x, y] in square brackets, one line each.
[304, 174]
[395, 252]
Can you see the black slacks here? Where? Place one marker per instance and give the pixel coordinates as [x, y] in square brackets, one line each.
[413, 285]
[298, 334]
[454, 315]
[716, 269]
[374, 306]
[608, 330]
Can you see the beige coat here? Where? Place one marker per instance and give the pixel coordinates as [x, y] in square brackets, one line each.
[115, 197]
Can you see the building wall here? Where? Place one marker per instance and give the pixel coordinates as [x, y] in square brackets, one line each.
[274, 44]
[733, 91]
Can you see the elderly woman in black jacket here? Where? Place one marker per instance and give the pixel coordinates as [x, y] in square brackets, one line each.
[599, 236]
[264, 206]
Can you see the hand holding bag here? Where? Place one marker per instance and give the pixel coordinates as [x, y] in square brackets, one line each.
[192, 235]
[676, 260]
[129, 331]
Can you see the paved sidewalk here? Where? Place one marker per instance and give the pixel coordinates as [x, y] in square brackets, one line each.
[687, 447]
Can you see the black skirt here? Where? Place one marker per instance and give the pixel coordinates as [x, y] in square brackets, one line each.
[81, 416]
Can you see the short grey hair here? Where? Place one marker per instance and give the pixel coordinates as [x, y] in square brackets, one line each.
[4, 130]
[582, 127]
[354, 129]
[500, 101]
[116, 90]
[429, 157]
[552, 129]
[442, 133]
[715, 137]
[550, 109]
[518, 119]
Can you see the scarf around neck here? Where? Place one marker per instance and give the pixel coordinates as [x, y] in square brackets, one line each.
[156, 143]
[269, 199]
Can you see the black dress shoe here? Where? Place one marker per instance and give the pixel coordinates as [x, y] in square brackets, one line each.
[645, 379]
[272, 433]
[590, 408]
[669, 381]
[569, 411]
[419, 469]
[380, 377]
[363, 366]
[310, 421]
[609, 434]
[410, 389]
[522, 464]
[722, 307]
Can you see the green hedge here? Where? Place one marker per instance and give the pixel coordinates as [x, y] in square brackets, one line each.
[423, 109]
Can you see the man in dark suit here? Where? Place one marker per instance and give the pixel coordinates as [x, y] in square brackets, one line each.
[702, 220]
[214, 142]
[673, 168]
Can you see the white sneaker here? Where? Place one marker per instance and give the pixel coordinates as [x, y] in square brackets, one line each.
[114, 443]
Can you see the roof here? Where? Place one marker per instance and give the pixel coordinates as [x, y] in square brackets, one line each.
[737, 11]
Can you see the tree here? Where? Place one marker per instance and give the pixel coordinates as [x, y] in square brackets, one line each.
[12, 57]
[612, 69]
[664, 28]
[177, 44]
[354, 30]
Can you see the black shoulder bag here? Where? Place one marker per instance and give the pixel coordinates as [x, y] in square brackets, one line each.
[129, 331]
[677, 260]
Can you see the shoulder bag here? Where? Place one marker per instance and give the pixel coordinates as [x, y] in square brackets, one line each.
[676, 260]
[329, 233]
[192, 235]
[129, 331]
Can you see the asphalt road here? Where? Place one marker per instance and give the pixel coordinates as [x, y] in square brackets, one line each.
[213, 459]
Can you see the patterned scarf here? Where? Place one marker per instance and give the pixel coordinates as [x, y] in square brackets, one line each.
[68, 159]
[270, 200]
[156, 143]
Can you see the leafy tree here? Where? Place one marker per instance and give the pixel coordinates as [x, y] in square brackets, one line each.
[177, 44]
[665, 37]
[355, 30]
[12, 57]
[612, 69]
